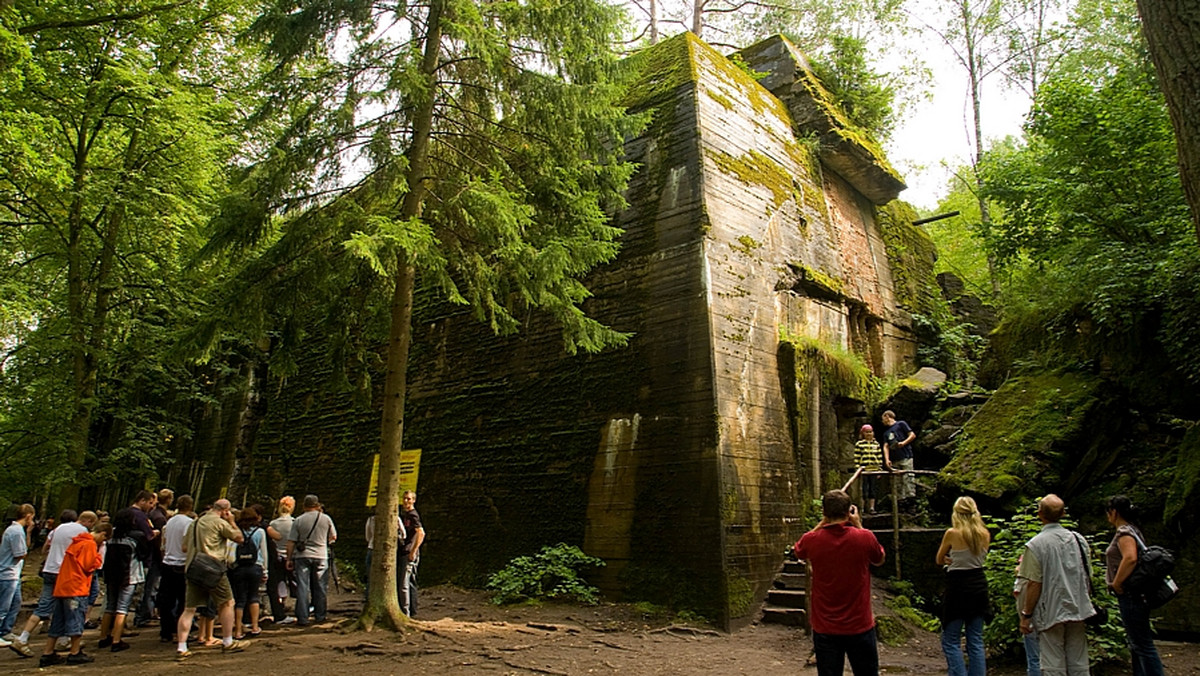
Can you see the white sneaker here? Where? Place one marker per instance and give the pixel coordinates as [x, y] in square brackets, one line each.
[290, 619]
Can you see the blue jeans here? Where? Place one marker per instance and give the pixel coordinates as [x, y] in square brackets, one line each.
[1033, 655]
[1136, 618]
[951, 633]
[408, 587]
[310, 583]
[10, 604]
[832, 651]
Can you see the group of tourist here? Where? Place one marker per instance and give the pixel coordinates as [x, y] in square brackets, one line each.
[193, 571]
[1052, 587]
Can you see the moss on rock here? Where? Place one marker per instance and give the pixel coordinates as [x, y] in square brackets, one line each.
[1023, 435]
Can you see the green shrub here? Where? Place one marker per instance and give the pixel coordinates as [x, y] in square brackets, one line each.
[553, 573]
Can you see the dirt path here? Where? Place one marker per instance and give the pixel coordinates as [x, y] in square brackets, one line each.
[463, 634]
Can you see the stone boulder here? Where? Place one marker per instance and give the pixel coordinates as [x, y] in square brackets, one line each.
[915, 396]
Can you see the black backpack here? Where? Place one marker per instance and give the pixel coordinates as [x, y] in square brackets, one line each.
[247, 551]
[1151, 577]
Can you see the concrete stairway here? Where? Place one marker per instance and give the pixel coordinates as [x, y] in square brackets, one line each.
[787, 600]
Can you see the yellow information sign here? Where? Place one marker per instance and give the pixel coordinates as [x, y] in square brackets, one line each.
[410, 465]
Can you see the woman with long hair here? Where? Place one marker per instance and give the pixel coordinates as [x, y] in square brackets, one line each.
[1121, 558]
[963, 550]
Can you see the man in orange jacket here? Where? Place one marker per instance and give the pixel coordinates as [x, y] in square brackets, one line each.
[71, 591]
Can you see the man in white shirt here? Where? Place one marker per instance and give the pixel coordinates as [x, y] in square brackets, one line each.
[172, 585]
[70, 525]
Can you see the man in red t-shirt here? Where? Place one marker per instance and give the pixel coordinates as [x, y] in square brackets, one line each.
[841, 553]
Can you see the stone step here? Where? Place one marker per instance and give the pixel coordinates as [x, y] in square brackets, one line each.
[793, 567]
[792, 617]
[786, 598]
[790, 581]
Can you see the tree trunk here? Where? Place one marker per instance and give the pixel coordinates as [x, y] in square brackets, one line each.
[83, 373]
[383, 605]
[698, 17]
[654, 22]
[1172, 29]
[974, 68]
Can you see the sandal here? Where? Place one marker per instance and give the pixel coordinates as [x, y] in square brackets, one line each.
[212, 643]
[254, 634]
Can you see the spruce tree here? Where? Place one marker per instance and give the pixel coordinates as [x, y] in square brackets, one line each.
[471, 147]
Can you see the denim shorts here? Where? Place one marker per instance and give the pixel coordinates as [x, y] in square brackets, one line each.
[45, 604]
[68, 617]
[117, 600]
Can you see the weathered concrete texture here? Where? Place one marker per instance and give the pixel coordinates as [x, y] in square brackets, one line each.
[684, 459]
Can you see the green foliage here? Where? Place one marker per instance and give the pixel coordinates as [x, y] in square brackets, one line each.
[1186, 477]
[863, 94]
[113, 144]
[907, 604]
[1002, 634]
[961, 247]
[553, 573]
[1096, 234]
[522, 169]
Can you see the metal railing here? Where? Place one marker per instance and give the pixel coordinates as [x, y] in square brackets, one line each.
[895, 502]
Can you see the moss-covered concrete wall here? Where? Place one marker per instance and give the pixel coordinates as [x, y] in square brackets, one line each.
[679, 458]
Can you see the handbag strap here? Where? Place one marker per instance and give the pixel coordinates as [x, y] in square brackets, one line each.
[196, 538]
[316, 521]
[1083, 560]
[1137, 538]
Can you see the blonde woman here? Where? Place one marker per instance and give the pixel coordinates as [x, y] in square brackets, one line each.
[963, 549]
[280, 581]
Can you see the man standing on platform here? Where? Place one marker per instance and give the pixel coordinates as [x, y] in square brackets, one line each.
[898, 453]
[841, 553]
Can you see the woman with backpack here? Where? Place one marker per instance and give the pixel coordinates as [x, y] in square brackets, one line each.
[1121, 559]
[249, 571]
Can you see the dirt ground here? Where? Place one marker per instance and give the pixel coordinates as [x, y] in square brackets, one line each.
[461, 633]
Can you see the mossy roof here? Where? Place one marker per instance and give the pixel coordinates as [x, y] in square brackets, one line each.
[659, 70]
[847, 148]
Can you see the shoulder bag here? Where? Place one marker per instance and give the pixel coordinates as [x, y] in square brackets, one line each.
[1100, 618]
[204, 570]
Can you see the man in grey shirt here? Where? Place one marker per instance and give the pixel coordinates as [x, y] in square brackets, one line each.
[308, 555]
[1056, 600]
